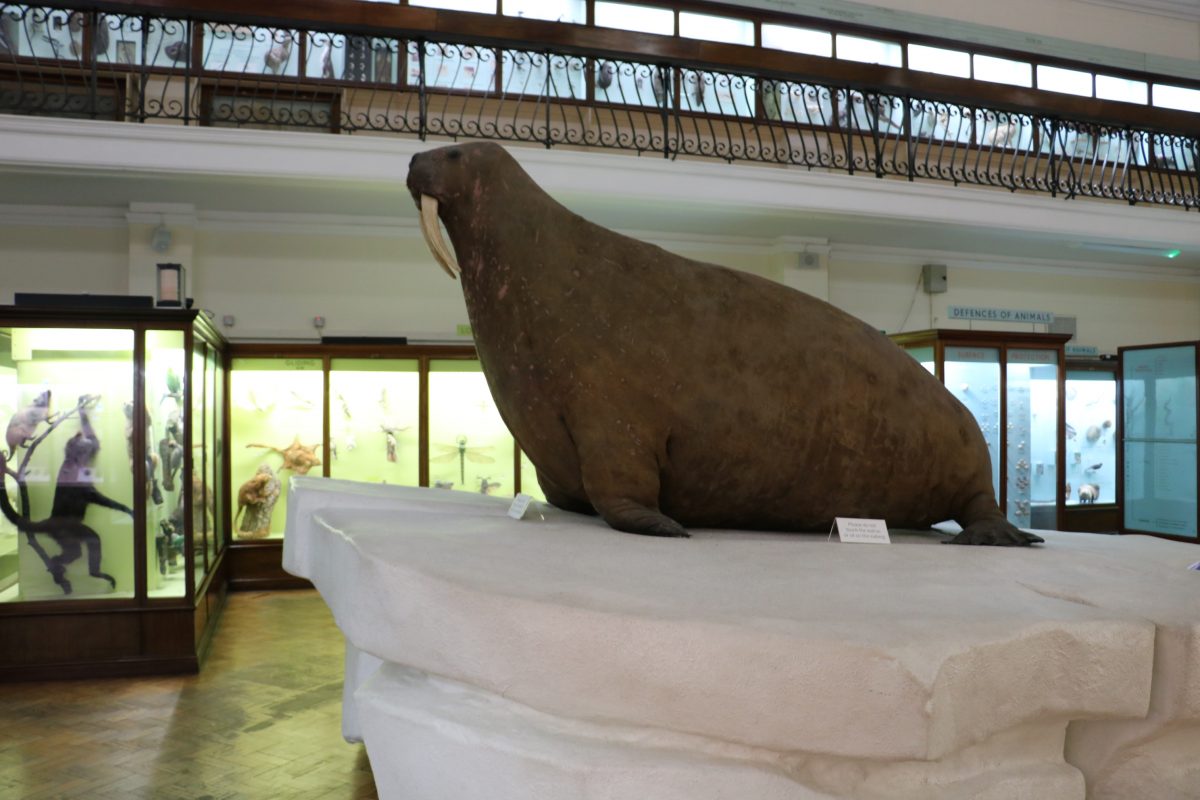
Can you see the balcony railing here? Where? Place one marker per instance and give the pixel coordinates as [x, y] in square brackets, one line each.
[157, 68]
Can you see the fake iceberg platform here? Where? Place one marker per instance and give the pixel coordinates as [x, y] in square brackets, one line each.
[494, 658]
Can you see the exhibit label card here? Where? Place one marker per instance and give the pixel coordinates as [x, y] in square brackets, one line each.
[862, 531]
[520, 505]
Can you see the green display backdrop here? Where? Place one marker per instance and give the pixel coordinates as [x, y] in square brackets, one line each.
[276, 402]
[470, 448]
[72, 363]
[374, 420]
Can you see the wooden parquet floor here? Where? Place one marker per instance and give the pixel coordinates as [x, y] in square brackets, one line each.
[260, 722]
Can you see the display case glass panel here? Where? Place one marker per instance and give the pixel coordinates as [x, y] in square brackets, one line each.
[925, 357]
[211, 415]
[276, 432]
[1159, 396]
[374, 420]
[166, 371]
[64, 392]
[201, 520]
[470, 449]
[1091, 408]
[1032, 437]
[973, 376]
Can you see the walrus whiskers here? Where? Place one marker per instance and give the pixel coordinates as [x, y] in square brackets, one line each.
[432, 231]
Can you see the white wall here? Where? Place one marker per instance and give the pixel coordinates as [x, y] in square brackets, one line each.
[1110, 312]
[274, 284]
[381, 284]
[57, 259]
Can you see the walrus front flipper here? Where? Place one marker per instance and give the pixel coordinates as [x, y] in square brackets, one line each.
[996, 531]
[625, 494]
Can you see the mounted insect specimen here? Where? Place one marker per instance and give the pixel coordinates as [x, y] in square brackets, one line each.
[463, 453]
[390, 434]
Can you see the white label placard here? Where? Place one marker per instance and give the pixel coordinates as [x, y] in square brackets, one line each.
[520, 505]
[862, 531]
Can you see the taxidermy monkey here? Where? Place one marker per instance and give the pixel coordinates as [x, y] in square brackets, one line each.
[24, 422]
[74, 491]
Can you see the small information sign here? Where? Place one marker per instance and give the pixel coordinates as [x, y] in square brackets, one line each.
[520, 505]
[862, 531]
[1084, 350]
[977, 314]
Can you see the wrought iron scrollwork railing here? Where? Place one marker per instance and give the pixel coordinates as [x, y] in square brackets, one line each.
[154, 68]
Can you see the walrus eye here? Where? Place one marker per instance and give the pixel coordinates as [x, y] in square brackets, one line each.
[454, 154]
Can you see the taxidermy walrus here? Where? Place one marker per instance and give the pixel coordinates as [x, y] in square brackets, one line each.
[662, 392]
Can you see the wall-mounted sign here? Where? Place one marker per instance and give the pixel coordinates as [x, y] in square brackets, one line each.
[1083, 350]
[977, 314]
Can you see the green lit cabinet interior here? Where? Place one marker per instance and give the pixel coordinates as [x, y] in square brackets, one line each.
[395, 414]
[113, 469]
[1013, 384]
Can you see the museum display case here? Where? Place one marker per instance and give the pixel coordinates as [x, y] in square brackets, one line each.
[377, 411]
[1158, 454]
[108, 527]
[1013, 384]
[1090, 493]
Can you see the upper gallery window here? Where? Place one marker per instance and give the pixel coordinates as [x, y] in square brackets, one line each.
[1177, 97]
[574, 11]
[871, 51]
[1067, 81]
[644, 19]
[937, 59]
[1123, 89]
[716, 29]
[1003, 70]
[797, 40]
[478, 6]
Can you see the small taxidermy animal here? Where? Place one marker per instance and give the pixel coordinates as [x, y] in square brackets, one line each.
[1089, 492]
[23, 423]
[257, 498]
[152, 461]
[74, 491]
[297, 457]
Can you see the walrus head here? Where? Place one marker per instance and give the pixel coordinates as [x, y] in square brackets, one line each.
[451, 177]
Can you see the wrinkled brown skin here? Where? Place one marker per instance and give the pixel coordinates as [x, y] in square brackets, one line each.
[663, 392]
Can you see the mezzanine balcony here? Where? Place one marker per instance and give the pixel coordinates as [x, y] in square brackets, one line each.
[375, 69]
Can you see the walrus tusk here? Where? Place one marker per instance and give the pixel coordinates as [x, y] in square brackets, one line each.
[432, 232]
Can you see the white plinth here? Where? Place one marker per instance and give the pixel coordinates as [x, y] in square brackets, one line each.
[563, 659]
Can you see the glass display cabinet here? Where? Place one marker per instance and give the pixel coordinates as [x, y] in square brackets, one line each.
[1090, 500]
[380, 412]
[112, 480]
[1012, 383]
[1158, 454]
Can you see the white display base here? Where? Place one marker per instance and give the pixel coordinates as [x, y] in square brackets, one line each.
[562, 659]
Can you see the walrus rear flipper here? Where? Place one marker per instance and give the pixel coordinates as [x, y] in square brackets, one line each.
[632, 517]
[995, 531]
